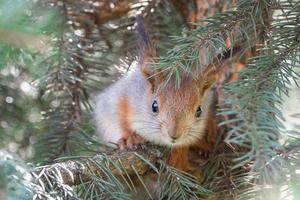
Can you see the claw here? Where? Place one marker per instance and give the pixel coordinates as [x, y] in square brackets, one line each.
[130, 142]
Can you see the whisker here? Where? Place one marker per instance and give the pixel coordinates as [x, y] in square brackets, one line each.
[195, 132]
[150, 126]
[143, 121]
[148, 132]
[194, 135]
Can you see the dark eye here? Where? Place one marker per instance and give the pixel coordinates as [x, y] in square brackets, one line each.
[198, 112]
[155, 106]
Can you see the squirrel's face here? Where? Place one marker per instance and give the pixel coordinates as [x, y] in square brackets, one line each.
[181, 112]
[170, 115]
[175, 116]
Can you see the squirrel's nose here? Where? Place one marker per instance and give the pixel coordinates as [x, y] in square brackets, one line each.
[174, 137]
[174, 134]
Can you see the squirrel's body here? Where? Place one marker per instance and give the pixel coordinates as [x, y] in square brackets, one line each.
[142, 106]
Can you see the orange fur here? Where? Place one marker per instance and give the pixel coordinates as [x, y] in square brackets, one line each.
[188, 97]
[237, 68]
[128, 137]
[179, 158]
[208, 142]
[124, 113]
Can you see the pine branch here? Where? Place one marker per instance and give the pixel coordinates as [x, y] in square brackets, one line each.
[68, 71]
[113, 172]
[75, 172]
[204, 44]
[254, 100]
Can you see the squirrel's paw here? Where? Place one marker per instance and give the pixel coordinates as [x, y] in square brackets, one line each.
[130, 142]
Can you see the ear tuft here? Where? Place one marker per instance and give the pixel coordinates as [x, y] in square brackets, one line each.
[210, 76]
[147, 52]
[143, 37]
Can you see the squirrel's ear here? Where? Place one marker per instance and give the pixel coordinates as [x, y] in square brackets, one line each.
[147, 52]
[147, 68]
[209, 77]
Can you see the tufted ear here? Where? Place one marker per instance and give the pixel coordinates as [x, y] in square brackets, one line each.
[208, 77]
[146, 67]
[147, 52]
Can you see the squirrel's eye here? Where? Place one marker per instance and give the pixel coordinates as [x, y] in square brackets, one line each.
[198, 112]
[155, 106]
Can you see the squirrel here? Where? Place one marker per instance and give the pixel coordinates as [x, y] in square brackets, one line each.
[140, 106]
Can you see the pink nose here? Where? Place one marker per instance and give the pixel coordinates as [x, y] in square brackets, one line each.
[174, 137]
[173, 132]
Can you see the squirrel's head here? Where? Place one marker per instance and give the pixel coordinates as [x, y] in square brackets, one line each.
[175, 114]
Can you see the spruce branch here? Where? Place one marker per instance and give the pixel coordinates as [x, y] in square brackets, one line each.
[68, 72]
[255, 99]
[204, 44]
[75, 172]
[108, 173]
[112, 172]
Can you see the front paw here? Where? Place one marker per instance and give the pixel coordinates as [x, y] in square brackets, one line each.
[130, 142]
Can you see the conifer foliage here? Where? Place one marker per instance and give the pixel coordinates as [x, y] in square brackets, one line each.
[56, 54]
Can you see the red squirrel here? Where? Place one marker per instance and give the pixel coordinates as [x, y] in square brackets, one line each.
[140, 106]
